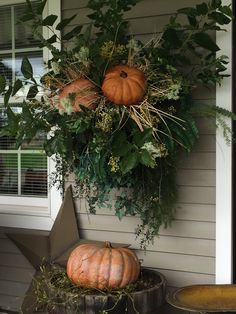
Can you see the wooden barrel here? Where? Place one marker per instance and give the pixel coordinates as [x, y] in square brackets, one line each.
[146, 301]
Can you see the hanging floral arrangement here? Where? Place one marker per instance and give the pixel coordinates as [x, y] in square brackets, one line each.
[119, 111]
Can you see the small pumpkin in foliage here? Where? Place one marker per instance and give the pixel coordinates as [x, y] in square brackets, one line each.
[124, 85]
[79, 92]
[94, 266]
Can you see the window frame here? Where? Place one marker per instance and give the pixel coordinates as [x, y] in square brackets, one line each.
[26, 211]
[224, 191]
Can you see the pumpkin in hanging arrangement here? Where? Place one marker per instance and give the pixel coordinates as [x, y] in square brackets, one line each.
[124, 85]
[77, 93]
[94, 266]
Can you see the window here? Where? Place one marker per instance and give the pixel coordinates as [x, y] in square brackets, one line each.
[23, 171]
[25, 200]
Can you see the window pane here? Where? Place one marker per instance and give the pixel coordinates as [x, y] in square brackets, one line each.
[5, 28]
[7, 143]
[8, 174]
[22, 171]
[24, 37]
[3, 117]
[6, 67]
[34, 174]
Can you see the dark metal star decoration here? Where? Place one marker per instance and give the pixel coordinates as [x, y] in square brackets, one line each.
[41, 247]
[53, 247]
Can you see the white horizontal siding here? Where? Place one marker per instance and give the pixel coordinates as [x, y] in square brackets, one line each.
[179, 228]
[166, 244]
[199, 212]
[143, 8]
[195, 177]
[197, 160]
[16, 274]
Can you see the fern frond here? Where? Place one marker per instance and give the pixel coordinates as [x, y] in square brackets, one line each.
[219, 115]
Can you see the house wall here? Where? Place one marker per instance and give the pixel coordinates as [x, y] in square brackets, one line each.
[184, 253]
[16, 274]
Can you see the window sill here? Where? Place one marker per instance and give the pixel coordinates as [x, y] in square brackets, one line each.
[25, 221]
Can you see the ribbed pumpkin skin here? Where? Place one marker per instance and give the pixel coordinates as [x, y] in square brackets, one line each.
[85, 91]
[94, 266]
[124, 85]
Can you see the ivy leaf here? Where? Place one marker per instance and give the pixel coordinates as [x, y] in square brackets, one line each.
[52, 39]
[146, 159]
[140, 138]
[220, 18]
[26, 68]
[49, 20]
[41, 6]
[2, 83]
[12, 117]
[121, 146]
[13, 122]
[26, 113]
[215, 4]
[202, 8]
[60, 26]
[75, 31]
[129, 162]
[18, 84]
[33, 91]
[205, 41]
[54, 145]
[192, 20]
[100, 167]
[226, 10]
[95, 5]
[171, 37]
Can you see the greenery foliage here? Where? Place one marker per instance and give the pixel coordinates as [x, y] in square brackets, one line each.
[132, 149]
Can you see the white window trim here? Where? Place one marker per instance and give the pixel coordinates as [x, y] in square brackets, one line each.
[33, 212]
[9, 2]
[224, 252]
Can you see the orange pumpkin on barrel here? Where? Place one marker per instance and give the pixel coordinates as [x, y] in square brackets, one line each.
[95, 266]
[124, 85]
[77, 93]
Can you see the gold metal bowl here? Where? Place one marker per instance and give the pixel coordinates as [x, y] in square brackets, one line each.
[204, 298]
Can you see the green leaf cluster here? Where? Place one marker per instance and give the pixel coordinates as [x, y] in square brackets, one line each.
[129, 149]
[191, 43]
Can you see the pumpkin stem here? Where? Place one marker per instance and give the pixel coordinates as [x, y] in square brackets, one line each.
[108, 244]
[123, 74]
